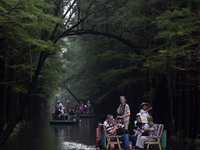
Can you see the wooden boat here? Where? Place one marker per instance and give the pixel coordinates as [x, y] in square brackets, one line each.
[86, 116]
[101, 141]
[64, 122]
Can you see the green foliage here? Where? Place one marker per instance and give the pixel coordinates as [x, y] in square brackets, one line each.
[177, 30]
[21, 25]
[197, 142]
[165, 35]
[26, 27]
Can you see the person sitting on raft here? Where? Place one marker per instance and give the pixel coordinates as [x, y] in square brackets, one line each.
[138, 129]
[138, 122]
[119, 122]
[71, 114]
[81, 107]
[60, 107]
[111, 129]
[146, 136]
[144, 109]
[57, 114]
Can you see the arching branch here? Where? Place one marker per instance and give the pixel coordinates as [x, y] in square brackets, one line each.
[109, 35]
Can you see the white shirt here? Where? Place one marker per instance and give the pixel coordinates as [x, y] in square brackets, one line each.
[144, 116]
[126, 111]
[60, 106]
[105, 123]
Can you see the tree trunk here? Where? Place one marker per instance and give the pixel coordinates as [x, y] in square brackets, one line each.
[186, 106]
[197, 92]
[193, 113]
[4, 98]
[19, 116]
[170, 96]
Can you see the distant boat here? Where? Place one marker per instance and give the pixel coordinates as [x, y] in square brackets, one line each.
[64, 122]
[86, 116]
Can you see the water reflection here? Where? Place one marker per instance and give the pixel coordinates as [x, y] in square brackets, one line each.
[84, 132]
[76, 146]
[39, 135]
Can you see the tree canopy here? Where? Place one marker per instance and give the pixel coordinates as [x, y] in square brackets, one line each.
[145, 50]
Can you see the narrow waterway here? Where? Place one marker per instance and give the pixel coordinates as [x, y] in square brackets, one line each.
[40, 135]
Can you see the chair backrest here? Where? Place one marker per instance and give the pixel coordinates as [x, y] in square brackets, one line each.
[160, 128]
[102, 136]
[105, 131]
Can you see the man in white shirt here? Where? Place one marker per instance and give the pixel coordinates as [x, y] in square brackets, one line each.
[144, 112]
[60, 107]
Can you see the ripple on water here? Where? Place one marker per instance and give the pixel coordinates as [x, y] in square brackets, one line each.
[76, 146]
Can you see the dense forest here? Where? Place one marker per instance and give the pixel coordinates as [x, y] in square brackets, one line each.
[147, 50]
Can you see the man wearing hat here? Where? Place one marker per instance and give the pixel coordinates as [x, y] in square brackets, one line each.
[144, 112]
[60, 107]
[119, 121]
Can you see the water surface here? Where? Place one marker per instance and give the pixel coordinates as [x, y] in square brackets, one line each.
[40, 135]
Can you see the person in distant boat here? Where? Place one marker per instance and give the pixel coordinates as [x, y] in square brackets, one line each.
[71, 113]
[76, 109]
[60, 107]
[111, 129]
[124, 111]
[57, 114]
[144, 109]
[89, 107]
[88, 104]
[81, 107]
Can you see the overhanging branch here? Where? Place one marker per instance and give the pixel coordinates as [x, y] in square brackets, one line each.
[109, 35]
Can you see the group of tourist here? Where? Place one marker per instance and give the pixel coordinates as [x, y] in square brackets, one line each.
[85, 109]
[59, 113]
[144, 126]
[69, 114]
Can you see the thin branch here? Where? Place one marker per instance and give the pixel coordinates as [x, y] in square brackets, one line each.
[70, 8]
[70, 16]
[11, 9]
[89, 7]
[31, 61]
[57, 3]
[75, 25]
[58, 24]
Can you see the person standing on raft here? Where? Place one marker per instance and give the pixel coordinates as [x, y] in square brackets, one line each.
[124, 111]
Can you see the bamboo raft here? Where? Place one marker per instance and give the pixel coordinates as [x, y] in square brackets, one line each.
[64, 122]
[86, 116]
[101, 141]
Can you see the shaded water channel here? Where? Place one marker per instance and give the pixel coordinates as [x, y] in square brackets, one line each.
[40, 135]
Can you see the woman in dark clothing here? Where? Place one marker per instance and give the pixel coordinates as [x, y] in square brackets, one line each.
[138, 129]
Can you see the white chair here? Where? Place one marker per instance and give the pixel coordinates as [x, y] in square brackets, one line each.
[160, 128]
